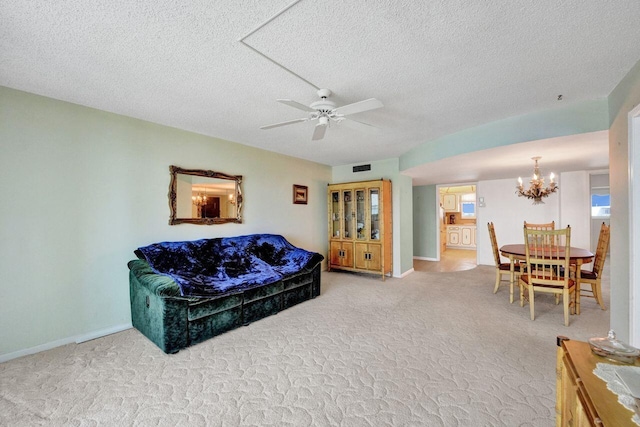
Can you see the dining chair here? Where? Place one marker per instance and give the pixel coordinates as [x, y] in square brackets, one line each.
[546, 260]
[502, 268]
[594, 277]
[545, 226]
[542, 226]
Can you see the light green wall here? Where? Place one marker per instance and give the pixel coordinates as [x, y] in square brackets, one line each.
[86, 187]
[82, 188]
[405, 225]
[622, 100]
[425, 222]
[402, 206]
[588, 116]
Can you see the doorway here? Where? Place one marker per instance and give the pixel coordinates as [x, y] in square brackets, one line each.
[212, 208]
[457, 213]
[600, 205]
[453, 260]
[634, 215]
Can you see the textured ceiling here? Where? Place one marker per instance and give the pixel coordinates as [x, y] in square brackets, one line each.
[438, 66]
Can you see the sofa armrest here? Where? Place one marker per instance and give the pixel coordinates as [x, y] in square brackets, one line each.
[158, 284]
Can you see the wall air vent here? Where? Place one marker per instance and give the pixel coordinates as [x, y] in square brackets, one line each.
[362, 168]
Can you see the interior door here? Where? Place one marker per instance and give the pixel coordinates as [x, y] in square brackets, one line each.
[212, 208]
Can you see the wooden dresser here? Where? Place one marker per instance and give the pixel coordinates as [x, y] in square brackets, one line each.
[582, 399]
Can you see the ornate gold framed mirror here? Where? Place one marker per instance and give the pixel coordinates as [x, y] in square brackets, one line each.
[198, 196]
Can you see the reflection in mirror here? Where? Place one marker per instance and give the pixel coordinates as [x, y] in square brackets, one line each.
[204, 197]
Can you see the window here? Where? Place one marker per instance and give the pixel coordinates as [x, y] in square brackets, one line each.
[600, 205]
[468, 205]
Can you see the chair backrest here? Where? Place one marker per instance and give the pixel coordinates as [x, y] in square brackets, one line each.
[547, 256]
[494, 243]
[545, 226]
[603, 247]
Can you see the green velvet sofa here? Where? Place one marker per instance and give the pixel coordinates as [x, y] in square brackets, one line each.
[173, 321]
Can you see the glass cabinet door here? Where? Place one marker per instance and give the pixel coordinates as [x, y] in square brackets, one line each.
[374, 225]
[361, 231]
[349, 215]
[335, 214]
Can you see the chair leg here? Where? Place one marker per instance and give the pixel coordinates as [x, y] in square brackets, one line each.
[511, 280]
[565, 303]
[557, 296]
[498, 277]
[521, 294]
[597, 292]
[531, 299]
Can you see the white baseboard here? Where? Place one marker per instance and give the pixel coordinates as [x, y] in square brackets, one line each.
[102, 333]
[405, 274]
[64, 341]
[424, 258]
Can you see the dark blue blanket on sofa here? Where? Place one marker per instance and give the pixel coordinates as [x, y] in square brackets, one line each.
[214, 267]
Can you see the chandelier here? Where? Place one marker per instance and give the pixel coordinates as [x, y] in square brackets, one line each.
[537, 189]
[199, 200]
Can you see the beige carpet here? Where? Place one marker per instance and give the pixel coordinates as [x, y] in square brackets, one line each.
[433, 349]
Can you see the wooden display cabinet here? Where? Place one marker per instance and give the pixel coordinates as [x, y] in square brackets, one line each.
[360, 227]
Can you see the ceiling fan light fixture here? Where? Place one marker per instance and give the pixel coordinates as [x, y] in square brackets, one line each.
[324, 93]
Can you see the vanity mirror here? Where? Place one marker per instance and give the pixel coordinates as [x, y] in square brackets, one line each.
[198, 196]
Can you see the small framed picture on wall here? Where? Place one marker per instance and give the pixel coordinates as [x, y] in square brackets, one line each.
[300, 194]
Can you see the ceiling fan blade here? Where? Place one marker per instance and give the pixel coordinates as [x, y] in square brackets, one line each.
[290, 122]
[358, 107]
[358, 124]
[297, 105]
[318, 132]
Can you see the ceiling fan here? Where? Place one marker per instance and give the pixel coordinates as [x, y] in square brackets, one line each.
[325, 111]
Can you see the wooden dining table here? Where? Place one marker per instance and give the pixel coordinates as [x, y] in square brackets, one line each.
[577, 257]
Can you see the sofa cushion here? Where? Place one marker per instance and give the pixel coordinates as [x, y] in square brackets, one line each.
[202, 307]
[222, 266]
[297, 280]
[263, 291]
